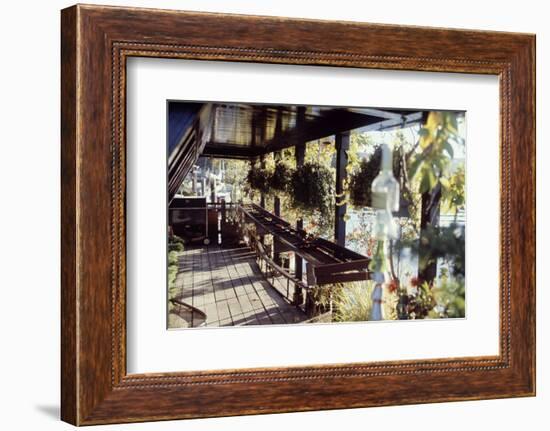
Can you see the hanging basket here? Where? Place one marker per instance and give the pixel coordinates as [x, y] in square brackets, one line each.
[279, 180]
[312, 188]
[258, 179]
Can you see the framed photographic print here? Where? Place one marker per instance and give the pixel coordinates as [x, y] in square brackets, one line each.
[269, 215]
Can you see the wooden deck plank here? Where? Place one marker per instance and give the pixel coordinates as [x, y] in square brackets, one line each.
[271, 300]
[254, 292]
[228, 286]
[235, 307]
[207, 290]
[248, 310]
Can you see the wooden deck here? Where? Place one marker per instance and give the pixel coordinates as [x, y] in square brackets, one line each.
[226, 284]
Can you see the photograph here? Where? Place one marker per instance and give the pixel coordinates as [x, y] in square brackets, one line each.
[275, 215]
[297, 214]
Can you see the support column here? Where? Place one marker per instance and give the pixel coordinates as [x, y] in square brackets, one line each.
[277, 212]
[342, 146]
[194, 184]
[212, 189]
[262, 195]
[262, 200]
[299, 152]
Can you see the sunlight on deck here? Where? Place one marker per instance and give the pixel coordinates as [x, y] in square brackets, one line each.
[226, 284]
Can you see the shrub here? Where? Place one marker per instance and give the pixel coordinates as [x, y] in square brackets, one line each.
[352, 302]
[175, 243]
[450, 297]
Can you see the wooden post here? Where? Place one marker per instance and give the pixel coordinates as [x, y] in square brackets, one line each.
[429, 217]
[342, 146]
[300, 153]
[277, 212]
[262, 195]
[212, 189]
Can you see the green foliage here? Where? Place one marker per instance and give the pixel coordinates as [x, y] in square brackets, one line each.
[279, 180]
[173, 258]
[450, 295]
[320, 152]
[235, 175]
[453, 191]
[258, 178]
[322, 295]
[418, 304]
[389, 305]
[172, 269]
[359, 143]
[352, 302]
[312, 188]
[175, 243]
[379, 261]
[175, 247]
[435, 142]
[442, 242]
[360, 180]
[275, 177]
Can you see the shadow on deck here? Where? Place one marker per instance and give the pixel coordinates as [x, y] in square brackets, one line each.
[227, 286]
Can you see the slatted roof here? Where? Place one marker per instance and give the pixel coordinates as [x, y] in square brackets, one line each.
[244, 130]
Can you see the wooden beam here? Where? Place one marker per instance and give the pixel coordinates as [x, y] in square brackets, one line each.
[394, 123]
[299, 154]
[330, 123]
[221, 150]
[378, 113]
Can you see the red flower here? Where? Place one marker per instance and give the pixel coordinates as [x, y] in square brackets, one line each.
[416, 281]
[393, 285]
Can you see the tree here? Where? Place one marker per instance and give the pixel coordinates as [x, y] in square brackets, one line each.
[431, 166]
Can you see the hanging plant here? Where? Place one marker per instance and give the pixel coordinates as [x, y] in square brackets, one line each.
[258, 179]
[279, 179]
[312, 188]
[360, 181]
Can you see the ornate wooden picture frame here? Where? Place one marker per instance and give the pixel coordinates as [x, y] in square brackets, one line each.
[96, 41]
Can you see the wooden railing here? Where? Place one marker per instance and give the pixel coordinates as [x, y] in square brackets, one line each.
[271, 270]
[326, 262]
